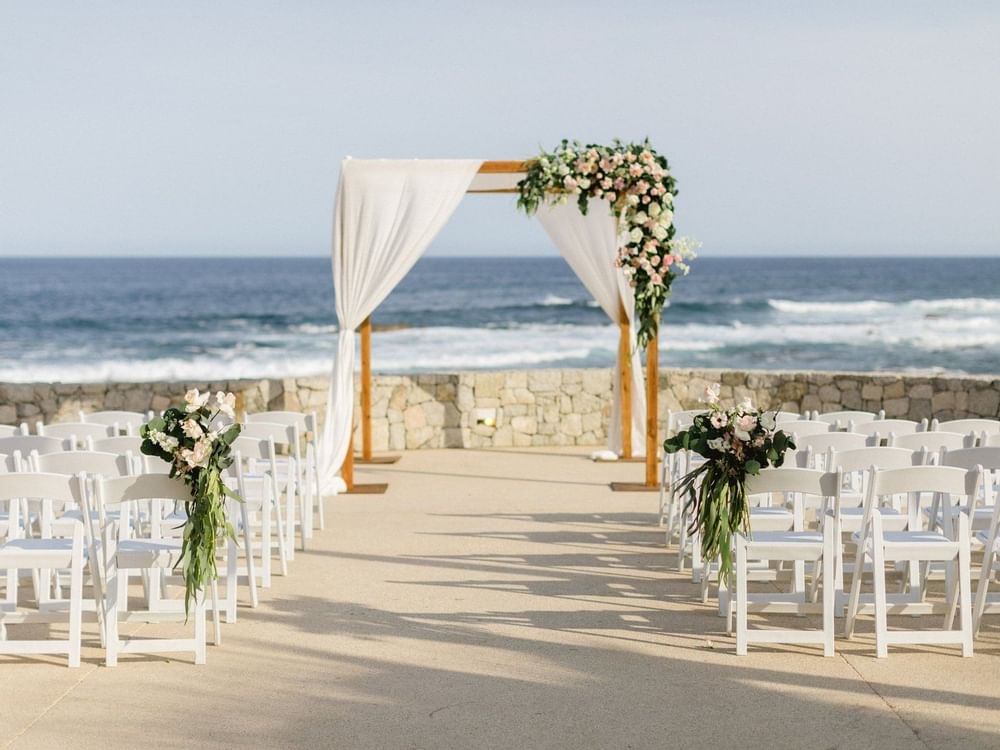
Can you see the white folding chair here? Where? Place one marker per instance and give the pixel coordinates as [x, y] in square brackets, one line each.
[110, 544]
[799, 546]
[41, 554]
[255, 470]
[842, 419]
[855, 467]
[309, 479]
[951, 547]
[286, 473]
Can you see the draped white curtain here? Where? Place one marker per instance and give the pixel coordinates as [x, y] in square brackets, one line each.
[387, 213]
[590, 245]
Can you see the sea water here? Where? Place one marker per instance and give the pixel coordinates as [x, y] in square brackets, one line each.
[85, 319]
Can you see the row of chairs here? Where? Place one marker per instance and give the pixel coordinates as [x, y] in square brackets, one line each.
[96, 424]
[852, 453]
[55, 528]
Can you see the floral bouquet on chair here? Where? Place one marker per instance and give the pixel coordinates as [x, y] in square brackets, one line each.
[190, 439]
[736, 443]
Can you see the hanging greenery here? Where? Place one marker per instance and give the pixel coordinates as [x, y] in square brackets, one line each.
[639, 190]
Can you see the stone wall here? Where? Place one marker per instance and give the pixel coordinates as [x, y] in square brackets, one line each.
[527, 407]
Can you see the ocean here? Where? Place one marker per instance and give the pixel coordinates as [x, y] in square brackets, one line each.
[113, 319]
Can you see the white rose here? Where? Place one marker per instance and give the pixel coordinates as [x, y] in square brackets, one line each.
[746, 404]
[633, 200]
[226, 403]
[666, 218]
[195, 400]
[742, 435]
[192, 429]
[718, 444]
[635, 235]
[199, 455]
[660, 232]
[767, 420]
[640, 218]
[654, 209]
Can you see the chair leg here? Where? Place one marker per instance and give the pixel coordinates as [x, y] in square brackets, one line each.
[248, 551]
[982, 591]
[855, 597]
[965, 583]
[881, 601]
[76, 603]
[112, 641]
[216, 620]
[829, 587]
[199, 629]
[741, 596]
[232, 578]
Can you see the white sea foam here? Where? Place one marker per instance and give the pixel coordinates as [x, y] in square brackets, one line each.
[959, 305]
[555, 300]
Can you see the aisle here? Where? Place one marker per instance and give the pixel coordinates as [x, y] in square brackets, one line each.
[499, 600]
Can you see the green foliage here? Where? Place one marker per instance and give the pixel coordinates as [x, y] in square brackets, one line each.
[637, 188]
[736, 444]
[197, 453]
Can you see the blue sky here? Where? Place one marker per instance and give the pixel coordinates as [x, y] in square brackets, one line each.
[218, 128]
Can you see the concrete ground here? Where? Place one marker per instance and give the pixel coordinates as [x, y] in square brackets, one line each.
[500, 599]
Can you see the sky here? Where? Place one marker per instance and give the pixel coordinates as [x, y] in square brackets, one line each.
[218, 128]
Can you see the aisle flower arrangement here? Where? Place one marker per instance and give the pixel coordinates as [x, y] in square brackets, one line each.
[640, 190]
[190, 439]
[736, 443]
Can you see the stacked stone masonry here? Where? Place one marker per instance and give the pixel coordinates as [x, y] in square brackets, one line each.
[523, 408]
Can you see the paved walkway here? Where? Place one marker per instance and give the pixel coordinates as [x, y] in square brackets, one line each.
[500, 600]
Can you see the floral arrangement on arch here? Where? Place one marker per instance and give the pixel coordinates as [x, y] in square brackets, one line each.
[637, 184]
[197, 444]
[736, 443]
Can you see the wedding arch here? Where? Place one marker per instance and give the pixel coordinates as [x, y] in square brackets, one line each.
[387, 213]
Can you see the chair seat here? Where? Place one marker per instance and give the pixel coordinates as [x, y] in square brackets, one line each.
[148, 553]
[785, 545]
[37, 553]
[918, 545]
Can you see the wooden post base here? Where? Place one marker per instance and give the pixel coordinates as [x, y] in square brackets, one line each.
[375, 488]
[376, 460]
[634, 487]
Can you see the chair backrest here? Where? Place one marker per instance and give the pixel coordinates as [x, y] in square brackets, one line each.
[9, 430]
[129, 421]
[841, 419]
[78, 432]
[970, 458]
[882, 427]
[821, 442]
[28, 443]
[800, 428]
[282, 435]
[947, 480]
[297, 418]
[681, 420]
[979, 426]
[89, 462]
[121, 445]
[119, 490]
[932, 442]
[10, 462]
[792, 479]
[787, 416]
[57, 489]
[862, 459]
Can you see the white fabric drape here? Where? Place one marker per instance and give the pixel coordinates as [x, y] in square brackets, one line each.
[590, 245]
[387, 213]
